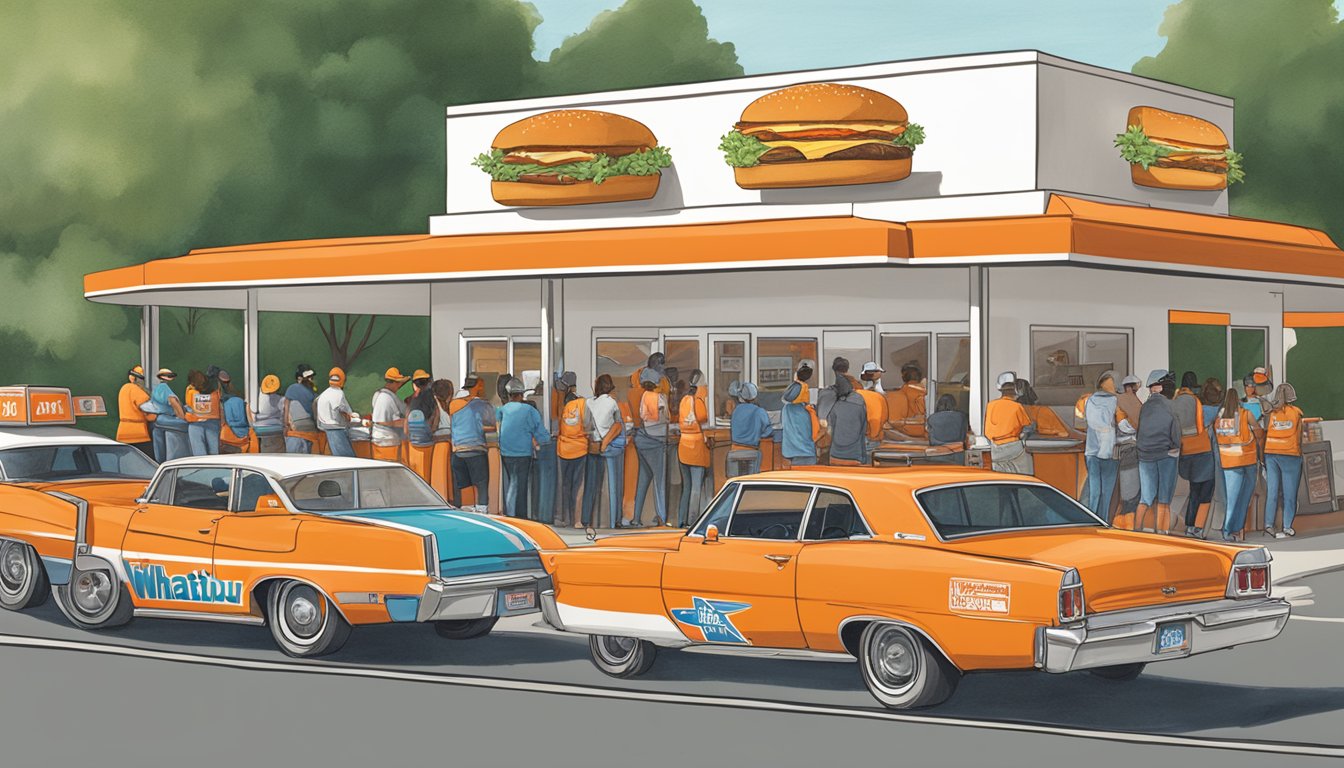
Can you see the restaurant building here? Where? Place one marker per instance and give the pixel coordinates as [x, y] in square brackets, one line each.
[1020, 241]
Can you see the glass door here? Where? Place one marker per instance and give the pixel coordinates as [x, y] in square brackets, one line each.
[728, 363]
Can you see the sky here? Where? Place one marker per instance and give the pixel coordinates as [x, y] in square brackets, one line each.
[783, 35]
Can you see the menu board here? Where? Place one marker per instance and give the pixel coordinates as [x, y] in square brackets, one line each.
[1318, 478]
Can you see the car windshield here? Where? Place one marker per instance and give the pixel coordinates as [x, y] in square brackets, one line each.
[380, 488]
[966, 510]
[47, 463]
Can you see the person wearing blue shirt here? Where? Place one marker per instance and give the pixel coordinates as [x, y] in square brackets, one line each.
[235, 412]
[749, 426]
[797, 422]
[472, 417]
[519, 428]
[170, 424]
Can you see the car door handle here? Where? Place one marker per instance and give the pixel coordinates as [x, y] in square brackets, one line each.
[779, 560]
[211, 528]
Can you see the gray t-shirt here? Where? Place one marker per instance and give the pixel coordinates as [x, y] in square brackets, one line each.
[948, 428]
[849, 425]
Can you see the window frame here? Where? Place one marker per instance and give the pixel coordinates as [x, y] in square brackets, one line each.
[928, 519]
[859, 512]
[235, 495]
[735, 487]
[510, 337]
[1082, 331]
[233, 487]
[737, 503]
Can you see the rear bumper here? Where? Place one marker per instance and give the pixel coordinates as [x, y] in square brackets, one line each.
[477, 597]
[1131, 636]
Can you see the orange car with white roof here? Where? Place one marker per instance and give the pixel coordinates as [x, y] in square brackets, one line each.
[921, 574]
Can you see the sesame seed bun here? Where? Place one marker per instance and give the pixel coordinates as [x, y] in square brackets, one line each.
[575, 129]
[824, 103]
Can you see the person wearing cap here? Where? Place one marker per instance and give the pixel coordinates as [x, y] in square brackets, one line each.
[1236, 433]
[1196, 464]
[692, 449]
[608, 440]
[472, 417]
[799, 427]
[133, 423]
[170, 420]
[651, 439]
[847, 421]
[571, 448]
[204, 411]
[1007, 425]
[520, 431]
[387, 418]
[301, 433]
[422, 417]
[875, 405]
[1159, 444]
[1283, 459]
[268, 419]
[907, 406]
[1102, 416]
[334, 414]
[749, 425]
[235, 435]
[1127, 450]
[1257, 385]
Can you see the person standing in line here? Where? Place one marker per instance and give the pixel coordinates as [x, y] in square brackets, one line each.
[1283, 459]
[203, 411]
[170, 421]
[269, 417]
[1101, 413]
[875, 405]
[651, 448]
[906, 406]
[606, 455]
[387, 417]
[950, 427]
[235, 435]
[848, 424]
[1211, 402]
[800, 429]
[422, 418]
[472, 417]
[546, 469]
[1159, 442]
[520, 431]
[749, 425]
[133, 423]
[441, 473]
[1007, 426]
[1127, 451]
[692, 450]
[576, 424]
[334, 413]
[301, 432]
[1196, 463]
[1237, 433]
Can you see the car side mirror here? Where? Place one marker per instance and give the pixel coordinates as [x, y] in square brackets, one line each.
[711, 533]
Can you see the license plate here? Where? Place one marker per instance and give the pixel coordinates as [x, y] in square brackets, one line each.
[1173, 638]
[517, 601]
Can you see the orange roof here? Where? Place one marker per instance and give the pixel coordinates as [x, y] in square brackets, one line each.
[1070, 228]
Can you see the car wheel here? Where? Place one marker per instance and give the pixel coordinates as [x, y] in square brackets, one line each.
[622, 656]
[902, 670]
[1119, 671]
[23, 579]
[465, 629]
[94, 599]
[303, 621]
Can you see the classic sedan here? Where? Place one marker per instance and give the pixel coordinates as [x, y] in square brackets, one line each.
[921, 574]
[309, 545]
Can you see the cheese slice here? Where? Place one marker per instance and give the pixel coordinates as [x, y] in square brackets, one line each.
[1188, 149]
[551, 158]
[792, 127]
[813, 150]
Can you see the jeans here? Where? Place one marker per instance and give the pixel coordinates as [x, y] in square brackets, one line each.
[203, 436]
[612, 464]
[571, 478]
[1101, 476]
[1284, 474]
[338, 442]
[738, 468]
[471, 470]
[517, 474]
[542, 488]
[692, 493]
[1240, 482]
[297, 445]
[652, 453]
[802, 461]
[1157, 481]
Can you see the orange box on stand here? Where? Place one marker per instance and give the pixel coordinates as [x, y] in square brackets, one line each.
[26, 406]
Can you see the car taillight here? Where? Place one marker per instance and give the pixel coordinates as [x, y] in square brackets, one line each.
[1250, 574]
[1071, 603]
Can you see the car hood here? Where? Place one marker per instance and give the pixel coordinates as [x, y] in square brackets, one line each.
[1119, 569]
[469, 544]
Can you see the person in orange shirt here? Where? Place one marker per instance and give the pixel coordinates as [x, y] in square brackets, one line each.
[1048, 423]
[1006, 426]
[692, 450]
[132, 421]
[203, 411]
[571, 446]
[875, 404]
[1283, 459]
[1237, 432]
[907, 406]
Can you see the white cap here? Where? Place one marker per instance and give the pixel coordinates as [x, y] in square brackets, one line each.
[1006, 379]
[872, 367]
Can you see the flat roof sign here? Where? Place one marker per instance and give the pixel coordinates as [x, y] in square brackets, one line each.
[32, 406]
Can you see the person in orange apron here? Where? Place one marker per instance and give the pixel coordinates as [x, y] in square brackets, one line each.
[571, 447]
[1236, 432]
[651, 447]
[203, 412]
[132, 421]
[387, 421]
[692, 450]
[1283, 459]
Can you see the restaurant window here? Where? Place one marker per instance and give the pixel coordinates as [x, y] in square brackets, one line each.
[681, 356]
[487, 359]
[1312, 358]
[730, 360]
[776, 361]
[854, 346]
[899, 349]
[526, 357]
[953, 375]
[620, 358]
[1066, 363]
[1249, 351]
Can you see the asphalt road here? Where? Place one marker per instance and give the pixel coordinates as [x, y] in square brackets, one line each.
[171, 693]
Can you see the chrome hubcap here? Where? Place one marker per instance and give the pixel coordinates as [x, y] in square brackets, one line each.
[13, 566]
[894, 659]
[91, 591]
[305, 617]
[618, 649]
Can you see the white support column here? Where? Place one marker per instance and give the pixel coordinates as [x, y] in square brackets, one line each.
[979, 327]
[149, 343]
[250, 367]
[552, 340]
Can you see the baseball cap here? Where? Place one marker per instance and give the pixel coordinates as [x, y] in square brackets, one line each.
[138, 372]
[394, 374]
[270, 384]
[166, 373]
[336, 375]
[1007, 379]
[1130, 379]
[1157, 375]
[420, 373]
[872, 367]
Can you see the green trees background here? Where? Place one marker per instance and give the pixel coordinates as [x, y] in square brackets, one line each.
[136, 130]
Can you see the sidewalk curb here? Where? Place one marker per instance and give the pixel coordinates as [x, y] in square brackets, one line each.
[1309, 572]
